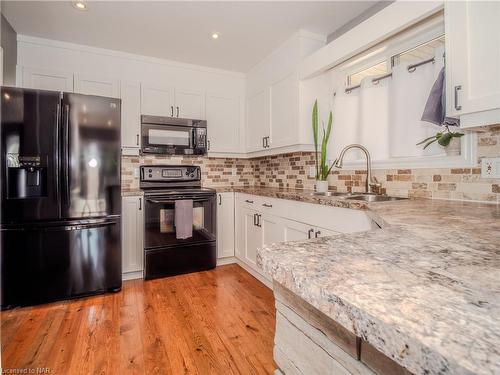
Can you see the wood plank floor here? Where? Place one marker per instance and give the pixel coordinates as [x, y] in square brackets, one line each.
[216, 322]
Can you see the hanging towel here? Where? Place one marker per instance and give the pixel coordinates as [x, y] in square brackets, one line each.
[435, 108]
[184, 219]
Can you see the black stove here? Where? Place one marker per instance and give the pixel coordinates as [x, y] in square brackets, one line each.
[165, 254]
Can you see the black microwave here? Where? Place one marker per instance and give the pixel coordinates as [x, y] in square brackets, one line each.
[173, 136]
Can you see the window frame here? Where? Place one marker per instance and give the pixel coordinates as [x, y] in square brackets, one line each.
[384, 51]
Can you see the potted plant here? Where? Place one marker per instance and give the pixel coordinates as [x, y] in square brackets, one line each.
[444, 139]
[322, 167]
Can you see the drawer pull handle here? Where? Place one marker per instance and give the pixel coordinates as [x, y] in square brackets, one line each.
[248, 201]
[457, 107]
[309, 233]
[267, 205]
[316, 235]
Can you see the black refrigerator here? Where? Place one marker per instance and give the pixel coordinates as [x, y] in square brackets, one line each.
[60, 189]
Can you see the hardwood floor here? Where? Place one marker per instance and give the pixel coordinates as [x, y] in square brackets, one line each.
[216, 322]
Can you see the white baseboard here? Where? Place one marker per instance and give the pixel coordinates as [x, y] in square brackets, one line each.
[132, 275]
[264, 280]
[227, 260]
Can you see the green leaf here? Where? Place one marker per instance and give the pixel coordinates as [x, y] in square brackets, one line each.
[445, 139]
[315, 133]
[425, 140]
[457, 135]
[430, 142]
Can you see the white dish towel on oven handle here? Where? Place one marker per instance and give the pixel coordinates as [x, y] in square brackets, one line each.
[184, 219]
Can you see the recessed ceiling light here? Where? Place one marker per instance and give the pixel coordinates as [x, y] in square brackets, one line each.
[80, 5]
[215, 35]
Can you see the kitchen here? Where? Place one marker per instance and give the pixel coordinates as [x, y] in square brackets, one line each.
[206, 229]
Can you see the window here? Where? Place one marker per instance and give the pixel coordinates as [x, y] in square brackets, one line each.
[420, 53]
[375, 70]
[380, 96]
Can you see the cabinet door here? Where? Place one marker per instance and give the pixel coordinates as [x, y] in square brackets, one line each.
[131, 114]
[257, 120]
[473, 55]
[252, 236]
[225, 225]
[157, 100]
[93, 85]
[223, 123]
[132, 234]
[284, 112]
[293, 230]
[322, 232]
[47, 79]
[272, 229]
[189, 104]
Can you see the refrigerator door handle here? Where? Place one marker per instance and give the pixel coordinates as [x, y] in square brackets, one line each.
[56, 153]
[65, 152]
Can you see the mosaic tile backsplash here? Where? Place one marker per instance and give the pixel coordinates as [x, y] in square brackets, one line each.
[291, 171]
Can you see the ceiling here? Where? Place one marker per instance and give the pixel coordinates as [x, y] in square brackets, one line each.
[181, 30]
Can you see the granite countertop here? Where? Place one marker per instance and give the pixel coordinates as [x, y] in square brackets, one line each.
[424, 289]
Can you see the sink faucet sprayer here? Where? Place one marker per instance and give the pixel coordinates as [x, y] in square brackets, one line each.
[371, 182]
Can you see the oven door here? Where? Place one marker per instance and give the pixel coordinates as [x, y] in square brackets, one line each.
[160, 230]
[167, 139]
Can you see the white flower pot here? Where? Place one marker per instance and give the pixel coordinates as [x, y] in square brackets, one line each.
[321, 186]
[453, 148]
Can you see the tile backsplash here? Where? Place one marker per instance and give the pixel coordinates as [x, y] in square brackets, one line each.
[215, 171]
[292, 171]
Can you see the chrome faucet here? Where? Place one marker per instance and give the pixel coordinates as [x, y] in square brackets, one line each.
[371, 182]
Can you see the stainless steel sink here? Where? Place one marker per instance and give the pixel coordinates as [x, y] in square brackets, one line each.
[332, 194]
[374, 198]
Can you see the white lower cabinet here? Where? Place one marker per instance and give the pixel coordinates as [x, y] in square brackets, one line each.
[249, 236]
[225, 225]
[132, 236]
[263, 221]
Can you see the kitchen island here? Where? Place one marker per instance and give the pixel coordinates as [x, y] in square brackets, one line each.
[422, 293]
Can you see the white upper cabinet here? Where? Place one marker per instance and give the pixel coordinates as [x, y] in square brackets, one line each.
[157, 100]
[284, 111]
[225, 225]
[473, 61]
[93, 85]
[131, 114]
[189, 104]
[165, 101]
[273, 92]
[47, 79]
[257, 121]
[223, 122]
